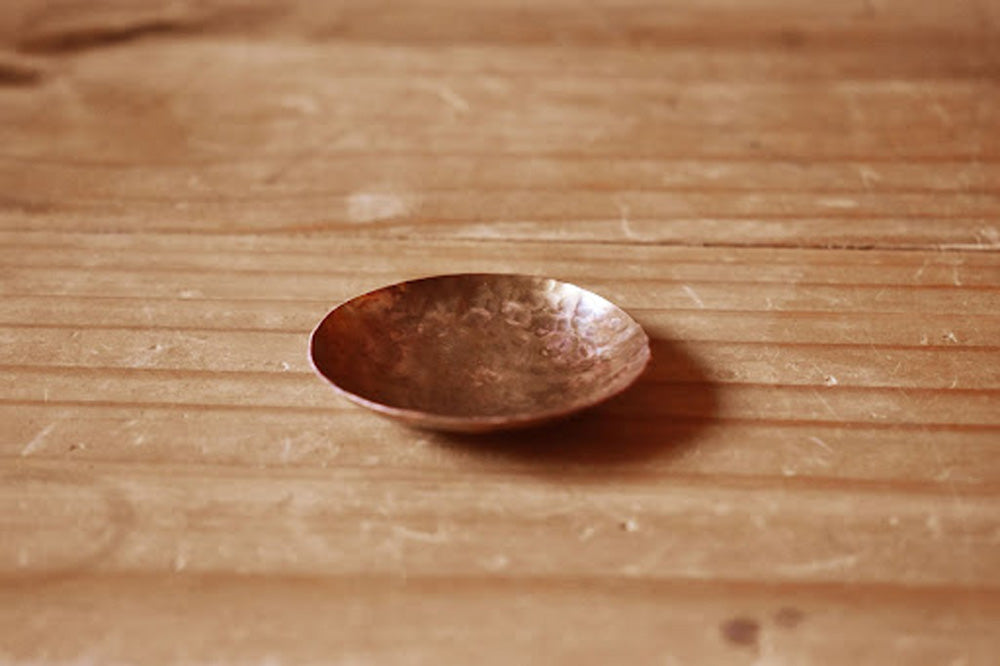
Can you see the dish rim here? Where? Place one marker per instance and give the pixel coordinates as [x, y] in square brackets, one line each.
[457, 423]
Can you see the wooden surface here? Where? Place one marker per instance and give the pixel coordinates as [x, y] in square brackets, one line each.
[800, 201]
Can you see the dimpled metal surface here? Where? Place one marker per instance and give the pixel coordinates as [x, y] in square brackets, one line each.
[478, 352]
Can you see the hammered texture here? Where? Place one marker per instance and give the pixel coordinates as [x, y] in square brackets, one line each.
[473, 351]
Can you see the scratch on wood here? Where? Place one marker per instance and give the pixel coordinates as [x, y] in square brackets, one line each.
[498, 562]
[453, 99]
[825, 404]
[923, 267]
[933, 523]
[987, 238]
[869, 176]
[938, 110]
[840, 562]
[693, 296]
[623, 212]
[840, 202]
[373, 206]
[303, 104]
[417, 535]
[180, 560]
[36, 442]
[286, 450]
[820, 443]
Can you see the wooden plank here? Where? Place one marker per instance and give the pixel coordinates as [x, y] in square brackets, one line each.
[335, 268]
[225, 618]
[700, 149]
[944, 459]
[345, 521]
[860, 365]
[792, 23]
[630, 293]
[334, 256]
[803, 327]
[684, 397]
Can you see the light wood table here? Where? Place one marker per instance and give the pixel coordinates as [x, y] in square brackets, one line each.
[799, 200]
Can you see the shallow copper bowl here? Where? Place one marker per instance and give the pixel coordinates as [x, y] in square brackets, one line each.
[477, 352]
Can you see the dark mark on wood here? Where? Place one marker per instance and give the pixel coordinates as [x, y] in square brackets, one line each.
[788, 617]
[742, 631]
[791, 39]
[27, 206]
[84, 35]
[18, 71]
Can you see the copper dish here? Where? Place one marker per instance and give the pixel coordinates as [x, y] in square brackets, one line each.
[477, 352]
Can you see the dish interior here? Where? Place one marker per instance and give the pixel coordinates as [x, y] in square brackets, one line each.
[480, 346]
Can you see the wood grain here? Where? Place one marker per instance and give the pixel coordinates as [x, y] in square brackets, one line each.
[800, 202]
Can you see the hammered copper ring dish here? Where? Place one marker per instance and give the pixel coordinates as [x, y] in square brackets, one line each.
[477, 351]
